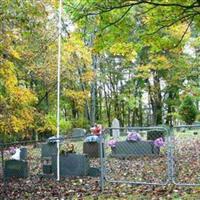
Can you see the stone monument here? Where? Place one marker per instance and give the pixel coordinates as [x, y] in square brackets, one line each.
[115, 128]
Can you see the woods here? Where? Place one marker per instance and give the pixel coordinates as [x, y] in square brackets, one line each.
[131, 60]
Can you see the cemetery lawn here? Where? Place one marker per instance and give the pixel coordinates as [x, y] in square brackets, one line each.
[187, 151]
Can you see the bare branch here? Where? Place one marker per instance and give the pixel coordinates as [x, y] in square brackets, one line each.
[118, 20]
[170, 24]
[107, 9]
[138, 2]
[193, 5]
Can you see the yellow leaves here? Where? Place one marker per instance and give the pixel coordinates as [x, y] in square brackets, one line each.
[17, 122]
[79, 97]
[18, 94]
[144, 71]
[75, 51]
[161, 62]
[17, 114]
[178, 30]
[23, 95]
[15, 53]
[88, 76]
[7, 74]
[161, 59]
[123, 49]
[54, 3]
[146, 19]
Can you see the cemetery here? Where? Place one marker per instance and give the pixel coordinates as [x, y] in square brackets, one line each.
[132, 158]
[99, 99]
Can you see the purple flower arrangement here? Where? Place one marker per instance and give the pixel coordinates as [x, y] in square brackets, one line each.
[134, 136]
[112, 143]
[159, 142]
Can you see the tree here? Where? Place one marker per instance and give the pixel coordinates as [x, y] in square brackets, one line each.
[23, 46]
[176, 11]
[138, 30]
[187, 110]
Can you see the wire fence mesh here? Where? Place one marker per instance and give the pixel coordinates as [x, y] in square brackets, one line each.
[134, 157]
[186, 155]
[20, 164]
[35, 170]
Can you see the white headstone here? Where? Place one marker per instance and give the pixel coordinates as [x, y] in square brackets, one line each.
[16, 156]
[115, 128]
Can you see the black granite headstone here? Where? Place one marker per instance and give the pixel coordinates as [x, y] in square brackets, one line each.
[132, 148]
[16, 168]
[71, 164]
[47, 165]
[23, 153]
[92, 149]
[49, 149]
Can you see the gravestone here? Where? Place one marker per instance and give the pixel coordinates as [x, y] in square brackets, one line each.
[71, 164]
[78, 132]
[23, 153]
[49, 149]
[92, 149]
[16, 168]
[47, 165]
[115, 128]
[125, 149]
[94, 172]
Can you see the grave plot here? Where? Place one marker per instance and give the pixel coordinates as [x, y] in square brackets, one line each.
[75, 159]
[133, 158]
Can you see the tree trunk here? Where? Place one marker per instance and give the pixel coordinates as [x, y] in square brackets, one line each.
[155, 99]
[108, 107]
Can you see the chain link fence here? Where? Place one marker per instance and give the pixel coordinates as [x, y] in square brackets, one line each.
[132, 155]
[137, 155]
[20, 164]
[186, 155]
[34, 170]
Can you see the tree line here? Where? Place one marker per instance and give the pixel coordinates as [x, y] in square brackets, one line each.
[132, 60]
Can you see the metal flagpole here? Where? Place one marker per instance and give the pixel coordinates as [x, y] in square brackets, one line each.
[58, 90]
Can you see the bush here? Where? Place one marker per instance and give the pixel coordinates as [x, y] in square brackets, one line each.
[65, 126]
[50, 125]
[81, 123]
[187, 110]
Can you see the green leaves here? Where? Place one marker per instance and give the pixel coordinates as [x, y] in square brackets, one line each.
[188, 110]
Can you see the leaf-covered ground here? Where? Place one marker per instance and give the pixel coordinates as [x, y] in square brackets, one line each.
[187, 170]
[87, 188]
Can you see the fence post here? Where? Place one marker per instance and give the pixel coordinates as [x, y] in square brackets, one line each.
[170, 155]
[102, 152]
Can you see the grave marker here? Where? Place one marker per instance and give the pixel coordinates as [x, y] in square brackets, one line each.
[115, 128]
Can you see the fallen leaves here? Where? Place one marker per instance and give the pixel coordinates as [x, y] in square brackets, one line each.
[146, 169]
